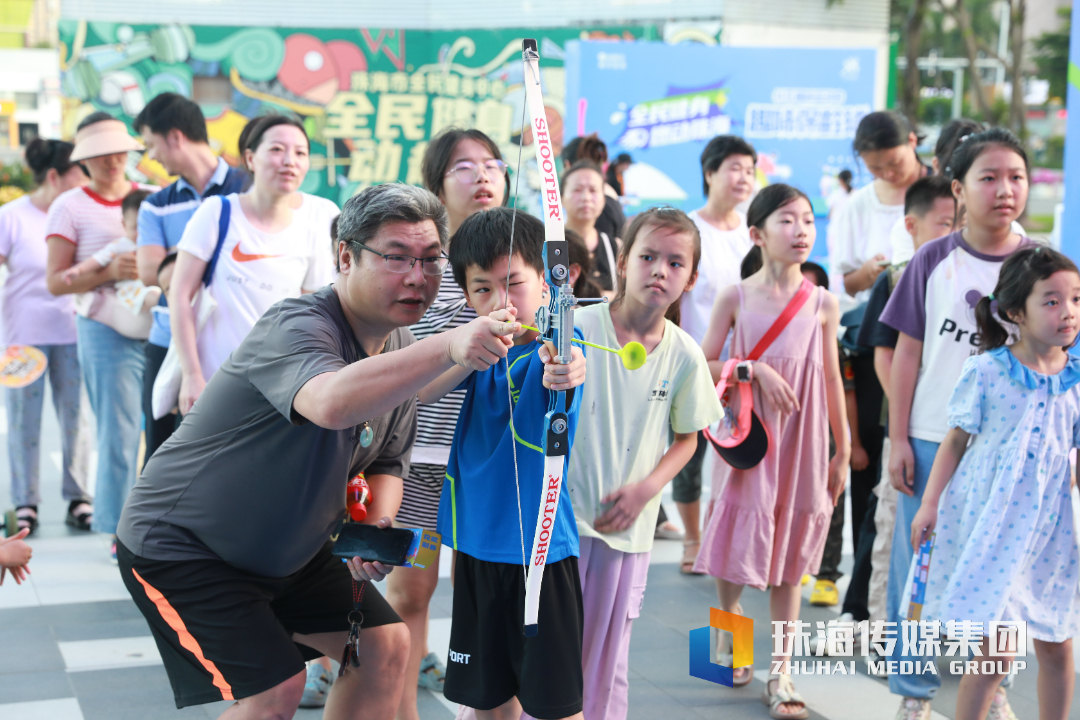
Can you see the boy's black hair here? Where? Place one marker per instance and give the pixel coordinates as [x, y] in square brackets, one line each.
[133, 200]
[719, 149]
[170, 111]
[169, 260]
[924, 192]
[484, 237]
[821, 278]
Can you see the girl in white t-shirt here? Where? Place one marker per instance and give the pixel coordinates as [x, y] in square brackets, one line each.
[277, 246]
[620, 465]
[886, 144]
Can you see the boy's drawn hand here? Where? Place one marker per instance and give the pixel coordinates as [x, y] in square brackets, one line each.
[775, 389]
[626, 504]
[481, 343]
[902, 467]
[506, 315]
[69, 275]
[562, 377]
[923, 525]
[373, 571]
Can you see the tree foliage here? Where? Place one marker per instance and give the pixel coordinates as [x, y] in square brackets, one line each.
[1051, 55]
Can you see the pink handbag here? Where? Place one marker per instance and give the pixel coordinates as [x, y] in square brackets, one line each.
[745, 446]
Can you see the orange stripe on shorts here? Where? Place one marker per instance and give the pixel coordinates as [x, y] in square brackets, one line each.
[187, 641]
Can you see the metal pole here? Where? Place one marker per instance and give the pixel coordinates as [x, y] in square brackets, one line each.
[958, 92]
[1003, 44]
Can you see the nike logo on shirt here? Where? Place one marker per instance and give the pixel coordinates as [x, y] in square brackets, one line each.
[240, 256]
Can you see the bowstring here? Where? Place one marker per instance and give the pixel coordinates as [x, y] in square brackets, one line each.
[506, 304]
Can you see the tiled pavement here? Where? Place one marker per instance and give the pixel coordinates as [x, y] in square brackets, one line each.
[73, 646]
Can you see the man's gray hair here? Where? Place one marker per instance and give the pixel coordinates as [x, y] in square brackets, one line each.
[369, 210]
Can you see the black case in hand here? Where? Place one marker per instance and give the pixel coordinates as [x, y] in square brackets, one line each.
[388, 546]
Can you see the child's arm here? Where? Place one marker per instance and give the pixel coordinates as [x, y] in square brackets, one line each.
[724, 311]
[15, 556]
[443, 385]
[629, 500]
[883, 366]
[89, 265]
[859, 458]
[948, 457]
[902, 376]
[834, 395]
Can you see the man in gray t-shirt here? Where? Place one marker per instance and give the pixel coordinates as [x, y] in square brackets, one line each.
[223, 541]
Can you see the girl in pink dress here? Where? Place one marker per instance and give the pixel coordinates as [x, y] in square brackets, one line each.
[766, 526]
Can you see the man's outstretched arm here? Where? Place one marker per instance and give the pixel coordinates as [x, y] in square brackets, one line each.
[376, 385]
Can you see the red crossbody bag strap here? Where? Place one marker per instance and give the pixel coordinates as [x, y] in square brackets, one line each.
[741, 426]
[793, 307]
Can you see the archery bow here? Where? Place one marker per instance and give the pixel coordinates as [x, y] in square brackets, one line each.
[556, 324]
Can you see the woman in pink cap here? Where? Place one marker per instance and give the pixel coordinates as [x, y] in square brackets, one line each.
[81, 222]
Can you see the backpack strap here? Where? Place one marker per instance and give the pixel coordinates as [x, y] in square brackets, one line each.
[793, 307]
[223, 230]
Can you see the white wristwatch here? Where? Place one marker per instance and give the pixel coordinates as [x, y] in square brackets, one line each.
[744, 371]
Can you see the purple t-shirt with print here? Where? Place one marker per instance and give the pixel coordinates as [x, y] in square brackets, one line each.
[934, 302]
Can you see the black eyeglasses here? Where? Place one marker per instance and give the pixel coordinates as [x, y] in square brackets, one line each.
[401, 264]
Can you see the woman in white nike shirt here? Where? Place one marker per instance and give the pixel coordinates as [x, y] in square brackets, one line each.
[277, 246]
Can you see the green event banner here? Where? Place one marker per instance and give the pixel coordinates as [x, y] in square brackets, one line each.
[371, 99]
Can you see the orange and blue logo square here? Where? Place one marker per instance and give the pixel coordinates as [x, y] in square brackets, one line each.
[742, 631]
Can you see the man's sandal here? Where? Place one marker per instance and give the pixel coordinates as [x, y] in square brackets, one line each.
[79, 514]
[686, 565]
[784, 694]
[26, 517]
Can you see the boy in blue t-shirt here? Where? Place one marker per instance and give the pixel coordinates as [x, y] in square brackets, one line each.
[492, 666]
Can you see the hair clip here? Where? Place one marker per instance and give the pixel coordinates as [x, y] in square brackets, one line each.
[990, 297]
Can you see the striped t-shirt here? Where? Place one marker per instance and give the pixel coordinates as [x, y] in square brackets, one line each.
[90, 222]
[436, 422]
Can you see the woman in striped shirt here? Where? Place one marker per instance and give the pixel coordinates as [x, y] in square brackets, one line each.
[464, 168]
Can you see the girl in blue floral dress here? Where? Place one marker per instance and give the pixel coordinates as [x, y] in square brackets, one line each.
[1005, 546]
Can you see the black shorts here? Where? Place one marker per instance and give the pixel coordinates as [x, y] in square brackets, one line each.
[226, 634]
[491, 660]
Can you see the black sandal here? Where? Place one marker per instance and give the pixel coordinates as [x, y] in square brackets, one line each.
[26, 517]
[79, 520]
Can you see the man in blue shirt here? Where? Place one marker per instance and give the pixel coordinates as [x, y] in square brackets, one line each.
[493, 667]
[174, 131]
